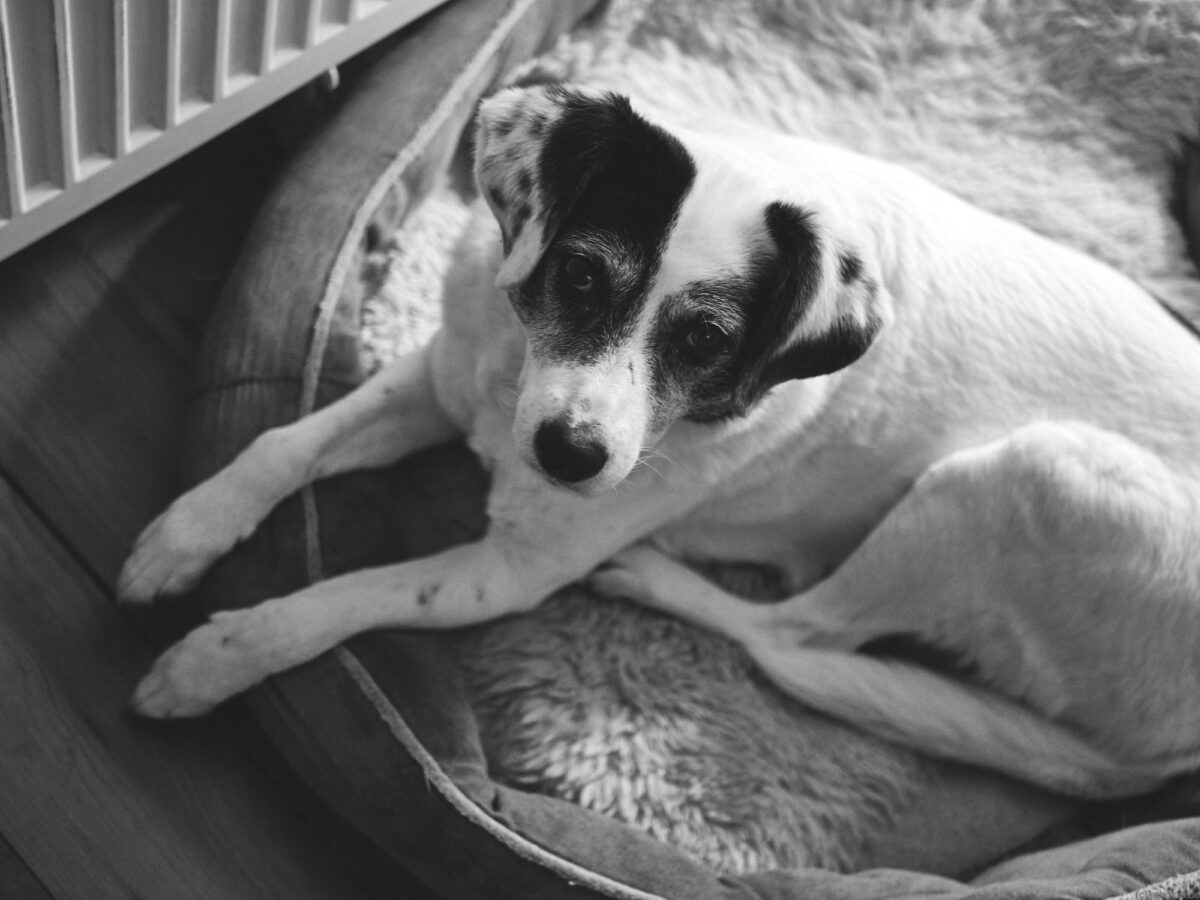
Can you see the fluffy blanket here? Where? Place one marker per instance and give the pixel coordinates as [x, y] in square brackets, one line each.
[1062, 114]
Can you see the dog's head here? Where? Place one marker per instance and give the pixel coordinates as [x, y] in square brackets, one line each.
[655, 280]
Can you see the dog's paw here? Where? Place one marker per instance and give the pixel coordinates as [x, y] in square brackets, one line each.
[208, 666]
[176, 549]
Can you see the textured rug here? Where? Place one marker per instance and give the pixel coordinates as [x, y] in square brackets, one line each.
[1183, 887]
[1062, 114]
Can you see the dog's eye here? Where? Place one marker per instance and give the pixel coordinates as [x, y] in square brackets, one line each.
[579, 272]
[706, 339]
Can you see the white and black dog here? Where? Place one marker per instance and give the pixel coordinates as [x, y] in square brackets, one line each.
[727, 344]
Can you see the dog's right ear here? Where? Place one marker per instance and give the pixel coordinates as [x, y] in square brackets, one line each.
[536, 150]
[826, 306]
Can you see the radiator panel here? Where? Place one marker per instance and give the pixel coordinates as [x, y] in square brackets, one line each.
[96, 95]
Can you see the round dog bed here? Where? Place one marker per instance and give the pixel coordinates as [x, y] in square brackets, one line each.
[383, 729]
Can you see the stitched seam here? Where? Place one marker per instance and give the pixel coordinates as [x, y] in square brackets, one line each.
[468, 808]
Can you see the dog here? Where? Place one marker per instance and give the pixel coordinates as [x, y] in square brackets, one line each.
[675, 340]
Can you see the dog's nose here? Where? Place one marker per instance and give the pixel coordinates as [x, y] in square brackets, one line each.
[569, 453]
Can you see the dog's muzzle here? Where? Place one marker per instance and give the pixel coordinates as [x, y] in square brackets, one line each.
[569, 453]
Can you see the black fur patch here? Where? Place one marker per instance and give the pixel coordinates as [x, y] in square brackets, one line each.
[849, 266]
[769, 359]
[837, 348]
[613, 184]
[786, 283]
[793, 276]
[700, 387]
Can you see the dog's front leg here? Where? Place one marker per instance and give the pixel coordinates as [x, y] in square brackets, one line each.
[239, 648]
[539, 541]
[392, 414]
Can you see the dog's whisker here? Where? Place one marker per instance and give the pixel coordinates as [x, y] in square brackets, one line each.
[648, 453]
[646, 463]
[653, 453]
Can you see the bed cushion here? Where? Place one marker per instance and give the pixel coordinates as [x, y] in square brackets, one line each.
[381, 728]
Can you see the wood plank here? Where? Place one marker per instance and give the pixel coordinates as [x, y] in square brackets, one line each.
[16, 880]
[100, 804]
[97, 389]
[98, 334]
[90, 414]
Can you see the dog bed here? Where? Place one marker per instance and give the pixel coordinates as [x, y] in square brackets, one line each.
[383, 729]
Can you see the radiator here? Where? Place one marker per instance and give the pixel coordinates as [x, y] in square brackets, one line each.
[97, 94]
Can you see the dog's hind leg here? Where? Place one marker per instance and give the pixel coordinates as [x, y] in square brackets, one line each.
[1058, 565]
[392, 414]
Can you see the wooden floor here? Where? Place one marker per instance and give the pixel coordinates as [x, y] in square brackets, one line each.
[99, 326]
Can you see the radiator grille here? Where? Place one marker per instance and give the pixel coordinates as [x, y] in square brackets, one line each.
[95, 94]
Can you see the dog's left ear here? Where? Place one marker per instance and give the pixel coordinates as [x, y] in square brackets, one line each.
[825, 306]
[511, 128]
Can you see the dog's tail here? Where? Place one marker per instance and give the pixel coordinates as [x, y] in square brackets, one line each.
[942, 717]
